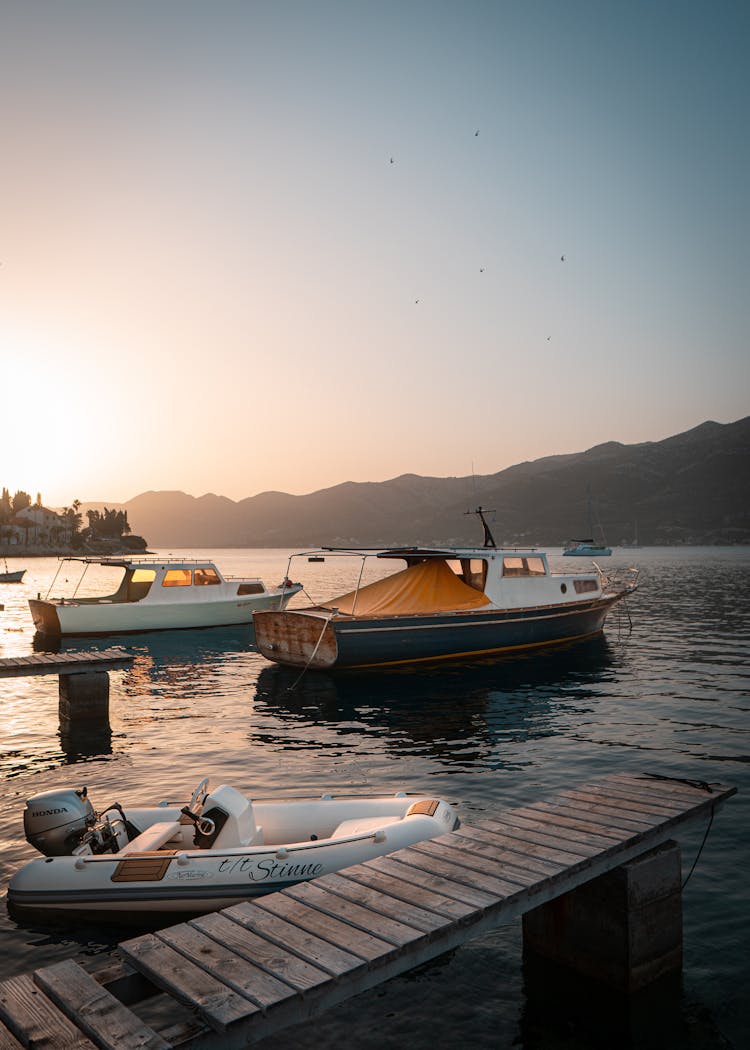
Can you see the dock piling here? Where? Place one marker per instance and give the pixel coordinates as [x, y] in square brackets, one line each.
[623, 929]
[84, 701]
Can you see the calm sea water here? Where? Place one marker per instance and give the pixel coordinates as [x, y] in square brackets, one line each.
[671, 696]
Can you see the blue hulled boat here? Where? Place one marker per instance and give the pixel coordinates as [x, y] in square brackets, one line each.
[446, 603]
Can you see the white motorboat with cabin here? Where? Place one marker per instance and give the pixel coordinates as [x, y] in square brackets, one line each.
[156, 594]
[220, 849]
[449, 603]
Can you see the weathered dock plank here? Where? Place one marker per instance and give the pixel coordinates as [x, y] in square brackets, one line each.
[538, 816]
[34, 1020]
[64, 663]
[256, 967]
[541, 843]
[358, 915]
[467, 857]
[358, 943]
[8, 1041]
[236, 972]
[279, 962]
[383, 904]
[105, 1020]
[318, 952]
[570, 832]
[469, 897]
[215, 1002]
[390, 880]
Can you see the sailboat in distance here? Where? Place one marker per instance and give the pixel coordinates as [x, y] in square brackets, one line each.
[588, 548]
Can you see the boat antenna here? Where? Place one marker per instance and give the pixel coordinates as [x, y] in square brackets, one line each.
[489, 539]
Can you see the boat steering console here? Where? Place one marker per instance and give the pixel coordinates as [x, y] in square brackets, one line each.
[207, 825]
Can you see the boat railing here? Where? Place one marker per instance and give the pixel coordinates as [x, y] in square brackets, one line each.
[136, 559]
[619, 579]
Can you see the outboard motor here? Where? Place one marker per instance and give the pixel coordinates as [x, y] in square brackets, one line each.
[56, 821]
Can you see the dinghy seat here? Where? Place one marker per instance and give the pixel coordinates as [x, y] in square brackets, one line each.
[152, 838]
[234, 820]
[361, 826]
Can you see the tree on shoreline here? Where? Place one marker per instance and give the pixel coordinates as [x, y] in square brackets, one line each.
[109, 524]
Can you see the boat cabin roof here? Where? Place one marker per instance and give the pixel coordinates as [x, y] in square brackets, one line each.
[419, 553]
[140, 563]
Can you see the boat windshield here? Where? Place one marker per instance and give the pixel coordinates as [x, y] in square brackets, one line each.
[100, 582]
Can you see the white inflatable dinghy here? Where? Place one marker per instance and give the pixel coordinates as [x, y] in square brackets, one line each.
[220, 849]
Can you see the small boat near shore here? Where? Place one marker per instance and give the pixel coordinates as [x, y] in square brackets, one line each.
[157, 594]
[11, 575]
[220, 849]
[448, 603]
[586, 549]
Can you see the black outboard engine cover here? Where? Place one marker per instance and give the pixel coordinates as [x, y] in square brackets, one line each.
[55, 821]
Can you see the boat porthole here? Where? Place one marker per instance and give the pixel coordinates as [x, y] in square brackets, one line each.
[564, 587]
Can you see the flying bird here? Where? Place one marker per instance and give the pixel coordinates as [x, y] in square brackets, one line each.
[481, 269]
[391, 160]
[476, 134]
[562, 258]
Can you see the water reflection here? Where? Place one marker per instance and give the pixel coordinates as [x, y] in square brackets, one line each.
[455, 712]
[80, 744]
[161, 644]
[188, 661]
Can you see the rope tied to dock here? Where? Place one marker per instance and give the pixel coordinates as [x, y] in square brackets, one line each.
[698, 854]
[702, 785]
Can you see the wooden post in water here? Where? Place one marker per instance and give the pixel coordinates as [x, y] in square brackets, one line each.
[84, 702]
[623, 929]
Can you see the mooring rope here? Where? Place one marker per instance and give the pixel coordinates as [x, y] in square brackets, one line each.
[697, 857]
[298, 679]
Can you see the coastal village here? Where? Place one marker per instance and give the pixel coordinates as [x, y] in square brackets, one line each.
[32, 530]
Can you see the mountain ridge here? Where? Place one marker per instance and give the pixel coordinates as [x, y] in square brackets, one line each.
[690, 487]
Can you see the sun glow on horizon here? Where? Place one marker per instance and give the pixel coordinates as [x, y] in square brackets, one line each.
[253, 262]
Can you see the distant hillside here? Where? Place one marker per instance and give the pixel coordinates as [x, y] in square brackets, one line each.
[691, 488]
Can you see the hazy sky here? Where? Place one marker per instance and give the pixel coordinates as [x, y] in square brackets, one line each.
[216, 220]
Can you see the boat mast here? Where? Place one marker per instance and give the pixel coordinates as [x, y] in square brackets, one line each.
[489, 539]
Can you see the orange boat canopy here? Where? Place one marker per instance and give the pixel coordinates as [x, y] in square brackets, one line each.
[428, 587]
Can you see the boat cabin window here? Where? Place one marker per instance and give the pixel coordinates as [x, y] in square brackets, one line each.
[139, 584]
[177, 578]
[251, 588]
[206, 577]
[517, 566]
[473, 571]
[582, 586]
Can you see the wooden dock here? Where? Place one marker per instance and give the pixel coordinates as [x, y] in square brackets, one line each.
[236, 976]
[64, 663]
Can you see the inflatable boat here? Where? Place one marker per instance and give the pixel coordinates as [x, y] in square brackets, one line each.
[219, 849]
